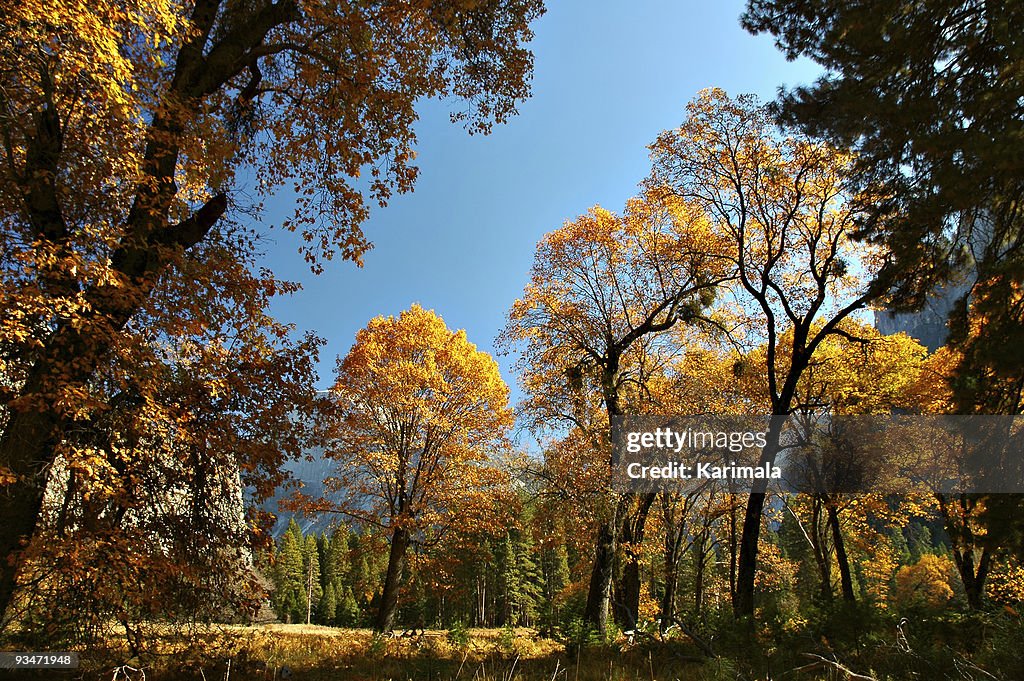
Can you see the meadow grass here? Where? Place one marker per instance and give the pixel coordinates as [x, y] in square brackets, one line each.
[315, 653]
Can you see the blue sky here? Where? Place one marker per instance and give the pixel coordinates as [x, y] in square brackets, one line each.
[609, 76]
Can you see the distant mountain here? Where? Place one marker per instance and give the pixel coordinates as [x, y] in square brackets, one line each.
[311, 473]
[928, 325]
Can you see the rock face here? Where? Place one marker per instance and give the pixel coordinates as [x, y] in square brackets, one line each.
[311, 474]
[927, 326]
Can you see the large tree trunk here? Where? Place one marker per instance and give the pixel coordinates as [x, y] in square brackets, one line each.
[385, 621]
[35, 426]
[602, 574]
[599, 594]
[628, 591]
[842, 559]
[674, 529]
[26, 447]
[28, 443]
[746, 567]
[746, 570]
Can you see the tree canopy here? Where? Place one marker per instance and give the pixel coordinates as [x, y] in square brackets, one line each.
[127, 130]
[422, 421]
[929, 97]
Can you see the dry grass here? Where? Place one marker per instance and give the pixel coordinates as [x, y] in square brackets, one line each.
[314, 653]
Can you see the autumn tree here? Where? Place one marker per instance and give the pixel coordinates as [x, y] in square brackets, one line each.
[785, 206]
[925, 584]
[928, 95]
[422, 422]
[601, 288]
[855, 372]
[702, 371]
[149, 508]
[124, 128]
[965, 516]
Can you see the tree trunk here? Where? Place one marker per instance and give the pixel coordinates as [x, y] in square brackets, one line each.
[668, 599]
[35, 427]
[700, 560]
[628, 592]
[385, 621]
[822, 556]
[26, 447]
[974, 580]
[733, 546]
[671, 567]
[746, 571]
[746, 568]
[599, 593]
[957, 517]
[845, 576]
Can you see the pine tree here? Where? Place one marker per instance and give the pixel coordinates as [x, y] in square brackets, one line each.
[323, 551]
[554, 566]
[508, 580]
[289, 584]
[336, 564]
[367, 565]
[928, 95]
[531, 580]
[519, 580]
[327, 608]
[311, 577]
[348, 613]
[360, 582]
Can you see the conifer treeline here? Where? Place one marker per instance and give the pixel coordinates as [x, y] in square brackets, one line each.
[334, 578]
[531, 574]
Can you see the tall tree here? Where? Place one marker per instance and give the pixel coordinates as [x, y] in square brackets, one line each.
[311, 576]
[785, 207]
[336, 564]
[601, 287]
[289, 597]
[928, 95]
[423, 419]
[123, 128]
[175, 425]
[857, 372]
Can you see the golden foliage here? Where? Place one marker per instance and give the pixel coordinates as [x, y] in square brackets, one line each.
[134, 336]
[927, 583]
[421, 427]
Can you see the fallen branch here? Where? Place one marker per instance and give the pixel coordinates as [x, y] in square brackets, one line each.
[820, 661]
[704, 646]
